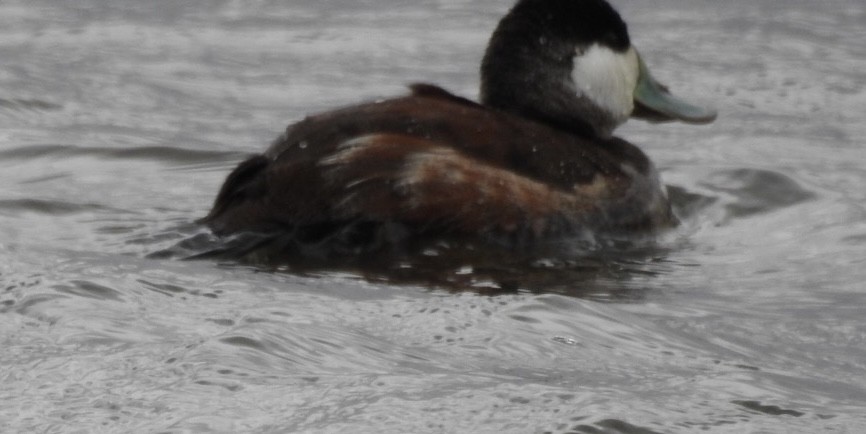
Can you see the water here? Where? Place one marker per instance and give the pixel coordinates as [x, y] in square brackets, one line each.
[120, 119]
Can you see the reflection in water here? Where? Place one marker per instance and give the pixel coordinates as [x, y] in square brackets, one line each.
[598, 269]
[757, 191]
[588, 267]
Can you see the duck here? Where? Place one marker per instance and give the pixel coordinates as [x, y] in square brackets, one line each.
[533, 159]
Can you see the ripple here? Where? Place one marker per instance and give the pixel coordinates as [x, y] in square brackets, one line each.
[620, 339]
[28, 303]
[612, 272]
[163, 154]
[772, 410]
[88, 289]
[687, 204]
[51, 207]
[28, 104]
[613, 426]
[245, 342]
[757, 191]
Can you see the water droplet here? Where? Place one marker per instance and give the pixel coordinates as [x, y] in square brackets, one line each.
[462, 271]
[544, 263]
[302, 145]
[566, 340]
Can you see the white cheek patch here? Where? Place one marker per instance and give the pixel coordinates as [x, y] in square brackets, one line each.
[607, 78]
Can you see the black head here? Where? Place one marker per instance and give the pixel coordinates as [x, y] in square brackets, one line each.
[570, 64]
[571, 21]
[529, 62]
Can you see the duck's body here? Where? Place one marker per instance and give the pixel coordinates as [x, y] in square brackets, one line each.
[534, 160]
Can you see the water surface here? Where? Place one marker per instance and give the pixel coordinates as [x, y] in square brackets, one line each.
[120, 119]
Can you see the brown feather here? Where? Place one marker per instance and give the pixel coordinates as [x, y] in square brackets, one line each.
[439, 163]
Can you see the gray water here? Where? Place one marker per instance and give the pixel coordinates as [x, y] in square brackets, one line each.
[119, 120]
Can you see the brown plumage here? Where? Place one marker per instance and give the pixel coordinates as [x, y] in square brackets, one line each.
[534, 160]
[438, 163]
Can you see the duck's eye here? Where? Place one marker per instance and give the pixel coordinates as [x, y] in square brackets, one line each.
[613, 39]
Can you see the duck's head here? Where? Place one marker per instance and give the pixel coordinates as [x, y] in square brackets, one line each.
[570, 63]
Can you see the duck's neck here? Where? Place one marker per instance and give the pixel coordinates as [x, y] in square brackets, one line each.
[528, 73]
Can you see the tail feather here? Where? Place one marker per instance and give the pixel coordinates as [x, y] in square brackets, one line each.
[244, 182]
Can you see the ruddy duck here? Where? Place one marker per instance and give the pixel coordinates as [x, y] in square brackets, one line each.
[534, 160]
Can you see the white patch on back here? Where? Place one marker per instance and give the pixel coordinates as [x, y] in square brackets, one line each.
[607, 78]
[348, 150]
